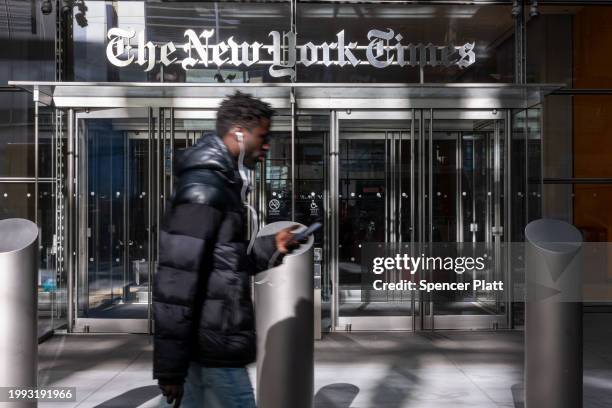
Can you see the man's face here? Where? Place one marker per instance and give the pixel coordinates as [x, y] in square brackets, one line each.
[256, 143]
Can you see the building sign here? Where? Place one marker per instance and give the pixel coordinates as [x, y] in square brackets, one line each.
[384, 49]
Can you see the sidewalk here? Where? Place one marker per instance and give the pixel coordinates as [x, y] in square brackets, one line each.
[359, 370]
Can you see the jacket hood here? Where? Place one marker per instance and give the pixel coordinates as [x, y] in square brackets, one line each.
[208, 153]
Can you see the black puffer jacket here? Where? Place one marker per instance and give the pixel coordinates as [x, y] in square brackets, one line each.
[201, 298]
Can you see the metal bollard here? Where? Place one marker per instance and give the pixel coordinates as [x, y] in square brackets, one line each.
[284, 324]
[553, 315]
[18, 306]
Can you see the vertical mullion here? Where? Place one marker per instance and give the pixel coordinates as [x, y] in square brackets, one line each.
[171, 189]
[126, 213]
[474, 191]
[399, 186]
[162, 162]
[412, 162]
[421, 202]
[421, 181]
[526, 152]
[112, 221]
[430, 205]
[508, 219]
[69, 248]
[293, 164]
[36, 150]
[497, 198]
[333, 214]
[158, 172]
[459, 184]
[150, 198]
[386, 184]
[411, 216]
[430, 178]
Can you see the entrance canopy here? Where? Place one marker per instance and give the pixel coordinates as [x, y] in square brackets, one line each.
[279, 95]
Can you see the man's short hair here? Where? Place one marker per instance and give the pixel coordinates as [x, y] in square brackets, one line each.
[243, 110]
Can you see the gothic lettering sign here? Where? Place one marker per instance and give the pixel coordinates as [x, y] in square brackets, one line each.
[384, 48]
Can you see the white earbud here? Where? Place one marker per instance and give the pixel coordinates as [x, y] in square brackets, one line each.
[245, 184]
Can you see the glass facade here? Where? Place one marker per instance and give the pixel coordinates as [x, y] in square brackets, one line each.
[324, 32]
[29, 54]
[167, 22]
[117, 192]
[577, 123]
[490, 28]
[556, 151]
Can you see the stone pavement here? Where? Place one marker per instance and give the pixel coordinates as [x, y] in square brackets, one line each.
[359, 370]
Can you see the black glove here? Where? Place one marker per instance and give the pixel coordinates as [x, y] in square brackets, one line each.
[173, 393]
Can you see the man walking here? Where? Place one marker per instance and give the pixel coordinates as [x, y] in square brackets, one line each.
[203, 313]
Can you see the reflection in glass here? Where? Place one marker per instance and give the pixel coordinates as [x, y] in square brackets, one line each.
[117, 267]
[464, 203]
[17, 201]
[370, 190]
[278, 178]
[490, 27]
[164, 22]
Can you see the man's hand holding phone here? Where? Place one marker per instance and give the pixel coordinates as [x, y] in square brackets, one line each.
[286, 240]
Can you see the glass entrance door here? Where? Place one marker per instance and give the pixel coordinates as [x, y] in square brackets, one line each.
[124, 180]
[377, 169]
[466, 189]
[418, 176]
[114, 200]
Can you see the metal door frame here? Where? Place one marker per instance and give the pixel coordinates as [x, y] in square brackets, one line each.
[160, 130]
[330, 98]
[495, 218]
[411, 322]
[391, 136]
[421, 208]
[110, 325]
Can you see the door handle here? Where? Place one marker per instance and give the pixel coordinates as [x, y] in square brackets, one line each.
[499, 230]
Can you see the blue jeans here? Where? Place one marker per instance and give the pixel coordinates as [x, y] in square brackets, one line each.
[207, 387]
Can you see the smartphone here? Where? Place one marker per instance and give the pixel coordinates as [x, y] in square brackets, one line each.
[308, 231]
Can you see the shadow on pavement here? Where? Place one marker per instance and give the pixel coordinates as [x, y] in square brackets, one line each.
[518, 395]
[132, 398]
[339, 395]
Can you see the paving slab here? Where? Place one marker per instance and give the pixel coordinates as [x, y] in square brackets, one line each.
[352, 370]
